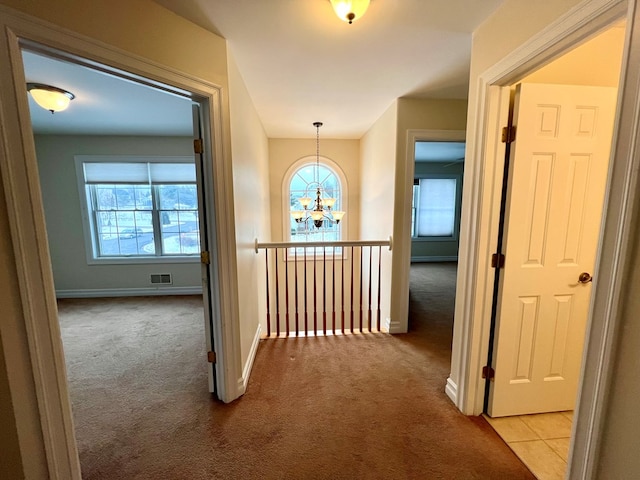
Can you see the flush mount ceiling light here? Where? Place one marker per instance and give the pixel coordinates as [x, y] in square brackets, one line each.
[50, 98]
[349, 10]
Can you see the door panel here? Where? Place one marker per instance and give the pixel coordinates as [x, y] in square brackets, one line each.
[559, 163]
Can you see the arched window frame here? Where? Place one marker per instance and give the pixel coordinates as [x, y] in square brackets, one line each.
[303, 162]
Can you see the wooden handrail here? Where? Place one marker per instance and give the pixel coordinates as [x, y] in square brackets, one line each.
[345, 243]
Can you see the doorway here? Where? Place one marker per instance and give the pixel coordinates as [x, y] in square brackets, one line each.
[548, 447]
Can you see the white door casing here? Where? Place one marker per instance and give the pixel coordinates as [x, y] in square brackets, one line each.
[559, 163]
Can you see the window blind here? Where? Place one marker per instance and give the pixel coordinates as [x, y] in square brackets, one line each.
[138, 173]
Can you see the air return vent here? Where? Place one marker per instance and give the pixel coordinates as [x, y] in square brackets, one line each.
[161, 279]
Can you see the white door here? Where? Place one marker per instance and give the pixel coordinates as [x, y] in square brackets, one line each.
[558, 169]
[206, 242]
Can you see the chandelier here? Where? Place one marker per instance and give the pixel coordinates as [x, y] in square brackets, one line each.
[317, 209]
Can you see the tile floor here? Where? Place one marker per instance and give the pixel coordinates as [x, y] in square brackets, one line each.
[541, 441]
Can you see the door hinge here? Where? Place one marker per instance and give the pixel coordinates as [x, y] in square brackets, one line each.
[508, 134]
[497, 260]
[211, 357]
[488, 372]
[197, 145]
[204, 258]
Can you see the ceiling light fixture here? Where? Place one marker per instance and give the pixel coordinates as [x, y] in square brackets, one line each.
[349, 10]
[50, 98]
[320, 209]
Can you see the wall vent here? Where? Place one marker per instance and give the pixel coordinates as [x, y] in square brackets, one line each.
[161, 279]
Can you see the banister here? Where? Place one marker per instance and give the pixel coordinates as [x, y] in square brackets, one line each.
[341, 243]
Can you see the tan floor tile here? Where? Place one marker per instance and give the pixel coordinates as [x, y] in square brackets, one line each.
[549, 425]
[560, 446]
[512, 429]
[540, 459]
[568, 414]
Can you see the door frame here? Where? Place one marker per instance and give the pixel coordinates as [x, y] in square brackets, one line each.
[480, 213]
[45, 429]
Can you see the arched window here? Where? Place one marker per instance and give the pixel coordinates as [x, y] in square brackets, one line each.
[304, 180]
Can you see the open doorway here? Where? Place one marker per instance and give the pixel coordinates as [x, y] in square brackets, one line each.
[543, 441]
[125, 204]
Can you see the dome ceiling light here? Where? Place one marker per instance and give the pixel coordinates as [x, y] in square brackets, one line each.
[50, 98]
[349, 10]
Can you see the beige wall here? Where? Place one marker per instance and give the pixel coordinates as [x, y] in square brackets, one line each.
[413, 114]
[250, 151]
[377, 188]
[594, 63]
[10, 460]
[142, 28]
[283, 153]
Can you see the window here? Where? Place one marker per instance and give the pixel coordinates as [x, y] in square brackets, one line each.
[304, 181]
[436, 207]
[141, 210]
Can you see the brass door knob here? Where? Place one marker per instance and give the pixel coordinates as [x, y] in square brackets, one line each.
[585, 277]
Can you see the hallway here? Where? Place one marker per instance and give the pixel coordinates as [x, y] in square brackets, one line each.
[341, 407]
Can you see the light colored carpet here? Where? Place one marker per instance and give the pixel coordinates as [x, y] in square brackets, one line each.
[344, 407]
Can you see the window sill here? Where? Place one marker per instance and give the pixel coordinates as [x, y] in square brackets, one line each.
[143, 260]
[434, 239]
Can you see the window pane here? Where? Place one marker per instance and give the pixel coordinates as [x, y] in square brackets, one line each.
[178, 197]
[179, 221]
[305, 183]
[436, 209]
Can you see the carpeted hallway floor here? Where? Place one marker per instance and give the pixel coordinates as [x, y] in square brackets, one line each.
[352, 407]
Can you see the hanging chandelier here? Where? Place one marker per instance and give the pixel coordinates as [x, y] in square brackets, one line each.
[319, 209]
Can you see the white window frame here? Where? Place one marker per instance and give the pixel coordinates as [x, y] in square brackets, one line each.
[457, 209]
[87, 222]
[286, 209]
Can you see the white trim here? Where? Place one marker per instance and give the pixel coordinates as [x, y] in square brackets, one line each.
[128, 292]
[472, 322]
[54, 441]
[393, 327]
[246, 371]
[434, 258]
[451, 390]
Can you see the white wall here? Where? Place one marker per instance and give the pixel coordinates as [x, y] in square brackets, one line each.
[61, 199]
[250, 151]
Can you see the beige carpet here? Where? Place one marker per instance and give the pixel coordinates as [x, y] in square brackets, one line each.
[352, 407]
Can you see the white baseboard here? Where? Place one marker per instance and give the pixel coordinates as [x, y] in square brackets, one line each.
[433, 258]
[392, 327]
[452, 391]
[128, 292]
[246, 371]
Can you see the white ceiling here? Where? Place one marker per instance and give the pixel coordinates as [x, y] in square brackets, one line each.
[104, 104]
[439, 152]
[302, 64]
[299, 61]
